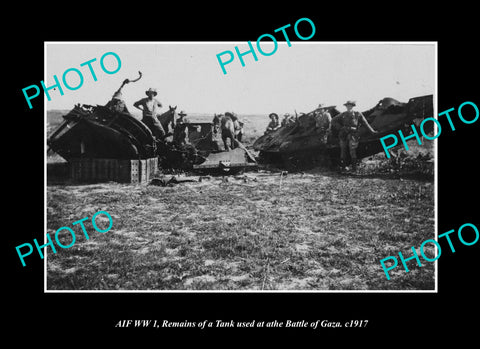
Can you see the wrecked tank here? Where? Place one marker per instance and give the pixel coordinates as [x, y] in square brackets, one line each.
[109, 143]
[98, 132]
[104, 145]
[198, 147]
[300, 144]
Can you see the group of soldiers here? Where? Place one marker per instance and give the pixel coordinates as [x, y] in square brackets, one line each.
[237, 124]
[150, 107]
[347, 124]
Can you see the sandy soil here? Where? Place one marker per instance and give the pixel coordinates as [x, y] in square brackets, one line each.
[257, 231]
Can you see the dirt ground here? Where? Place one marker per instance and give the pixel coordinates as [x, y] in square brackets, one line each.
[256, 231]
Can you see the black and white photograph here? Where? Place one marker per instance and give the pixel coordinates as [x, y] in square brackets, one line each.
[207, 171]
[246, 181]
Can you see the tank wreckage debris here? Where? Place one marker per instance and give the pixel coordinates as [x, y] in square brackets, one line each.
[106, 142]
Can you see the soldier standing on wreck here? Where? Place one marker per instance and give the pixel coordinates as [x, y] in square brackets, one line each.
[348, 124]
[149, 107]
[323, 122]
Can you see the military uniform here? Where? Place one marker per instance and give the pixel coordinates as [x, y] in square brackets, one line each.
[273, 124]
[348, 124]
[238, 126]
[150, 108]
[323, 122]
[180, 133]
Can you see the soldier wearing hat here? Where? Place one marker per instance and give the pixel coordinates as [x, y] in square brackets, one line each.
[348, 124]
[323, 122]
[150, 108]
[273, 124]
[180, 133]
[237, 125]
[182, 119]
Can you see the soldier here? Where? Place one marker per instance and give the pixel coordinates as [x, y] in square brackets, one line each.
[238, 126]
[241, 132]
[323, 122]
[288, 120]
[182, 119]
[149, 107]
[348, 124]
[180, 133]
[273, 124]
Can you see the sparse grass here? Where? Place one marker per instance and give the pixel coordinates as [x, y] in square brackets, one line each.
[416, 162]
[315, 232]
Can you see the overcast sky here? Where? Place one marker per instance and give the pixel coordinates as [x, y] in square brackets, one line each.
[293, 78]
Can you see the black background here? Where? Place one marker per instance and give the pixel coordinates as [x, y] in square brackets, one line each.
[450, 313]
